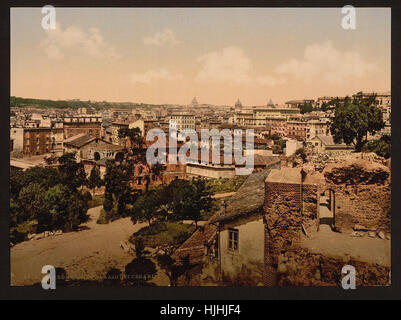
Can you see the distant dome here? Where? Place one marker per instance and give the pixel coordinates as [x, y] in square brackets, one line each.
[194, 102]
[270, 103]
[238, 103]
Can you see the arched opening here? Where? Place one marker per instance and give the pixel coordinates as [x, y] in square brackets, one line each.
[119, 156]
[97, 156]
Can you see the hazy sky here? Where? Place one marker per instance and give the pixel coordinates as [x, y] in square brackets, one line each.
[217, 55]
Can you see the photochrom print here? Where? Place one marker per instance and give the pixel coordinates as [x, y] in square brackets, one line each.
[200, 147]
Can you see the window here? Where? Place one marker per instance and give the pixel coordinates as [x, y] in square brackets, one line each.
[233, 239]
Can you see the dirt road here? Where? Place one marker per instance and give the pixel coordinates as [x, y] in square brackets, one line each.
[85, 254]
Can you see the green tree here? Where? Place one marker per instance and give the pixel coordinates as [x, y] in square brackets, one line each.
[95, 181]
[136, 143]
[17, 182]
[46, 176]
[72, 173]
[147, 207]
[32, 202]
[200, 201]
[66, 210]
[189, 199]
[354, 120]
[57, 215]
[306, 107]
[117, 181]
[324, 107]
[382, 147]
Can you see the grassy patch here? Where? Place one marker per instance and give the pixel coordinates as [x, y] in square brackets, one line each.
[226, 184]
[164, 233]
[96, 201]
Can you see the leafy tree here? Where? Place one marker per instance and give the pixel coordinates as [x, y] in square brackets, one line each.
[32, 202]
[57, 200]
[135, 143]
[15, 213]
[117, 180]
[72, 173]
[108, 201]
[189, 199]
[174, 270]
[147, 207]
[354, 120]
[382, 147]
[66, 210]
[77, 212]
[200, 201]
[134, 134]
[17, 182]
[306, 107]
[95, 181]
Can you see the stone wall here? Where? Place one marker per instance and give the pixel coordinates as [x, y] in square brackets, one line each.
[368, 206]
[291, 194]
[286, 263]
[362, 194]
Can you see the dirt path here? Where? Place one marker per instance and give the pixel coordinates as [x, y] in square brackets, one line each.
[86, 254]
[223, 195]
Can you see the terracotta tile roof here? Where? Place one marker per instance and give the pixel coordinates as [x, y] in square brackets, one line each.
[194, 246]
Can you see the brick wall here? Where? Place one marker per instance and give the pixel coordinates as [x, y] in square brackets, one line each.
[292, 196]
[283, 222]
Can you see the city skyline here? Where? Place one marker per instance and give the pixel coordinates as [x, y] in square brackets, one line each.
[169, 56]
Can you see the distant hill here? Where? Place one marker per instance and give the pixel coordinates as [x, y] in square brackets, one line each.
[73, 104]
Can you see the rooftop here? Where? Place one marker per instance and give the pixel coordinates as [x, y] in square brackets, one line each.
[248, 199]
[79, 140]
[293, 175]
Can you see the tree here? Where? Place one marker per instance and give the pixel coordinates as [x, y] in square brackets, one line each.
[135, 143]
[32, 202]
[65, 210]
[72, 173]
[174, 270]
[17, 182]
[117, 181]
[189, 199]
[306, 107]
[147, 207]
[354, 120]
[200, 202]
[57, 200]
[95, 181]
[382, 147]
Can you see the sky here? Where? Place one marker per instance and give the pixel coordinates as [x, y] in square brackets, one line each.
[170, 55]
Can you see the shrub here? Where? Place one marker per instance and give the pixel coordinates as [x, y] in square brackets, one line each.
[382, 147]
[103, 217]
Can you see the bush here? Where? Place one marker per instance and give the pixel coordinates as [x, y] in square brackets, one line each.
[382, 147]
[108, 203]
[103, 217]
[301, 152]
